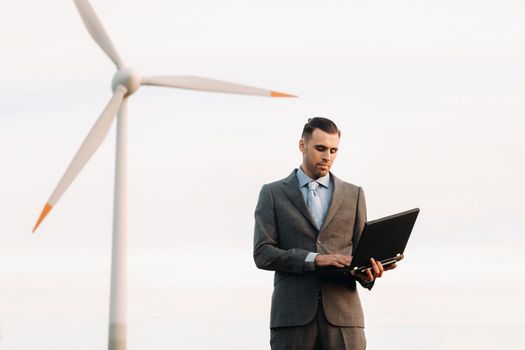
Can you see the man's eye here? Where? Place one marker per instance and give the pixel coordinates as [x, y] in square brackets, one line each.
[333, 150]
[321, 148]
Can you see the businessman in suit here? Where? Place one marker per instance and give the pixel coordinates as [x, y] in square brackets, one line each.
[305, 222]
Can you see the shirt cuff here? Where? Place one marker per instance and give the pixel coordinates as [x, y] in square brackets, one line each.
[309, 262]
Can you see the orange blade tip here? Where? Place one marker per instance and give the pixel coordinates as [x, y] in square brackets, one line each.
[45, 211]
[280, 94]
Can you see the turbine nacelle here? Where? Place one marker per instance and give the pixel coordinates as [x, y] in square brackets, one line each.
[127, 77]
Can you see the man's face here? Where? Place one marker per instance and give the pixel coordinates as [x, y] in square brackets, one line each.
[319, 153]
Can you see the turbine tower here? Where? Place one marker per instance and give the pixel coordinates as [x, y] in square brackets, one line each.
[125, 82]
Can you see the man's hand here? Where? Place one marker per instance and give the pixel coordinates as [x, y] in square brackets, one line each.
[337, 260]
[376, 271]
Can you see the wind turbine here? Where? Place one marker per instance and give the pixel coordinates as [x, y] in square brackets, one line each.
[125, 82]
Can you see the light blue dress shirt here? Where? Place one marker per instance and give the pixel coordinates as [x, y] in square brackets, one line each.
[324, 191]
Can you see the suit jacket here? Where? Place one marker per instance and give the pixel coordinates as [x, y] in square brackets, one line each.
[284, 235]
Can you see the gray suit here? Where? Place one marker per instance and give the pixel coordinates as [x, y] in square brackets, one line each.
[284, 235]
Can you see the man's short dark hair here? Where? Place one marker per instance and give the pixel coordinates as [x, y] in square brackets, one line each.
[324, 124]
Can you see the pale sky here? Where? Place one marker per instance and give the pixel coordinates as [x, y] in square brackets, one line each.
[430, 97]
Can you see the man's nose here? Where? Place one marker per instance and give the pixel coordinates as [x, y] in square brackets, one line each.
[327, 155]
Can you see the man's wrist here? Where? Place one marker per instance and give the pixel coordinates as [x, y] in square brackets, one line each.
[309, 262]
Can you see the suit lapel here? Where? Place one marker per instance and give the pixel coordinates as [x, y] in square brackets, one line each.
[335, 203]
[291, 190]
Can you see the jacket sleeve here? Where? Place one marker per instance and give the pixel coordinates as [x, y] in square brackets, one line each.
[266, 252]
[360, 220]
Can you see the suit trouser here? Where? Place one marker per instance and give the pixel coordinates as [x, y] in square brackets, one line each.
[319, 334]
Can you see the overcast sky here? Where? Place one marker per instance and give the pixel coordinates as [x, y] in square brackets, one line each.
[430, 97]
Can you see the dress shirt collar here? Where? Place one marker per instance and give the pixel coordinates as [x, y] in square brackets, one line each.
[304, 179]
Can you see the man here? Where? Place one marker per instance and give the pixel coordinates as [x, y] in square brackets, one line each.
[305, 222]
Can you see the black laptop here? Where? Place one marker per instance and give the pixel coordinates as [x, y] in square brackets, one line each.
[384, 240]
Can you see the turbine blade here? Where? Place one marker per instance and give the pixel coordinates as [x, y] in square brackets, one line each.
[92, 142]
[96, 30]
[206, 84]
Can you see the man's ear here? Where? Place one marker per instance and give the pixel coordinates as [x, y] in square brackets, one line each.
[302, 145]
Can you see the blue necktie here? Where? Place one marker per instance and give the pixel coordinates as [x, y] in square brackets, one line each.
[315, 207]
